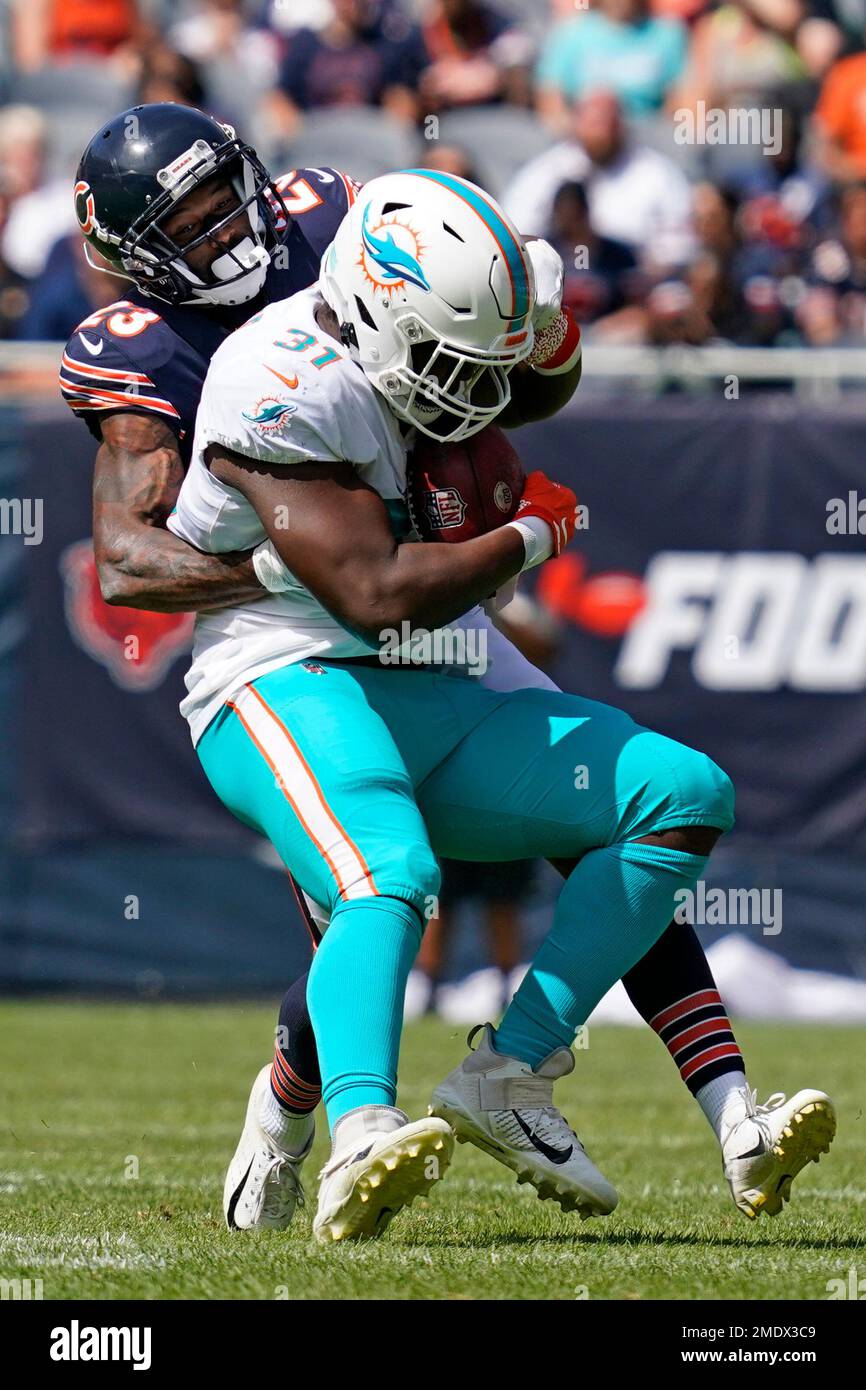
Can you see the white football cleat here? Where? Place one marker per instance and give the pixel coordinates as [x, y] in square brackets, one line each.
[263, 1184]
[380, 1162]
[791, 1133]
[503, 1106]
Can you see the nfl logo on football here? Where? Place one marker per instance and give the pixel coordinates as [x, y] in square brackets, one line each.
[444, 508]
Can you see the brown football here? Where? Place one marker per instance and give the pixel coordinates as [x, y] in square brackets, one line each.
[459, 491]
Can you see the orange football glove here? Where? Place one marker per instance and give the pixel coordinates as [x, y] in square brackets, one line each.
[552, 502]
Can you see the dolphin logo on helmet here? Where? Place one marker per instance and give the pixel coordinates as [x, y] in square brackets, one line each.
[395, 263]
[433, 291]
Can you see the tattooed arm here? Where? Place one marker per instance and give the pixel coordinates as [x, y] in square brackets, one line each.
[141, 564]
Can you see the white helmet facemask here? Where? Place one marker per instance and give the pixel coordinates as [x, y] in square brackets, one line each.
[443, 389]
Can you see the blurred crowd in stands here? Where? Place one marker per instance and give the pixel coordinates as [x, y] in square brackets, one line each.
[701, 167]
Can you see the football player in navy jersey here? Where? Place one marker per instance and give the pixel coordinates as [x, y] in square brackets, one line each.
[179, 206]
[185, 212]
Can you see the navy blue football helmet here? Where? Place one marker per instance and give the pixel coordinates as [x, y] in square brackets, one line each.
[132, 176]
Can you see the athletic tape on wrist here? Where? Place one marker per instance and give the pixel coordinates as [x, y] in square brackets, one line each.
[537, 539]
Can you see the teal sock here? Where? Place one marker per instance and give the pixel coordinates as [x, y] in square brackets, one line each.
[355, 996]
[613, 907]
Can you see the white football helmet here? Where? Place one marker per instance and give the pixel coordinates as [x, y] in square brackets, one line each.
[434, 293]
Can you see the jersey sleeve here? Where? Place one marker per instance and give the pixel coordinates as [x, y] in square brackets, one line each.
[317, 200]
[105, 366]
[276, 416]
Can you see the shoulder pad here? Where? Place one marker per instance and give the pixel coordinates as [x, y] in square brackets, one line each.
[107, 360]
[317, 200]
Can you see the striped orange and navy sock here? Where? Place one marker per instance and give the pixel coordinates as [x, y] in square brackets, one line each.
[697, 1033]
[289, 1090]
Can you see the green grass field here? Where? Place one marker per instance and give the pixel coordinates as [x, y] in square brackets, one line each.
[117, 1121]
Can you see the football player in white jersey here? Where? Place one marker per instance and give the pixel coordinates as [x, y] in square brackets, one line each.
[361, 773]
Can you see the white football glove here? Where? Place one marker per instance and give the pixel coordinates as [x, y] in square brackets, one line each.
[270, 570]
[549, 272]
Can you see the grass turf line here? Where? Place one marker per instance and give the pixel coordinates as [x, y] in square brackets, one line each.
[117, 1122]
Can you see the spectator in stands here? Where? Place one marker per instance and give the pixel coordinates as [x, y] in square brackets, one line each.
[725, 293]
[741, 52]
[167, 75]
[14, 294]
[833, 310]
[53, 31]
[635, 194]
[67, 291]
[686, 10]
[352, 61]
[783, 208]
[789, 189]
[602, 283]
[618, 45]
[821, 36]
[848, 17]
[23, 146]
[840, 120]
[449, 159]
[470, 55]
[674, 315]
[300, 14]
[38, 211]
[734, 284]
[219, 32]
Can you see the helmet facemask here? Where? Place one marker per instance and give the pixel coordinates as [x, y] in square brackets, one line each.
[159, 264]
[446, 390]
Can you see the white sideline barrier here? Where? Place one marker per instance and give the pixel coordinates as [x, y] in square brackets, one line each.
[811, 370]
[753, 982]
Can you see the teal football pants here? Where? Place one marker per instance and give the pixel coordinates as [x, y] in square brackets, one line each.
[361, 775]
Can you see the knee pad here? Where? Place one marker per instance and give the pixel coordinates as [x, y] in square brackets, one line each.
[670, 785]
[423, 879]
[408, 871]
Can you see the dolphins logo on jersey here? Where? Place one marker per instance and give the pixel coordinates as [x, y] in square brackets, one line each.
[396, 264]
[270, 412]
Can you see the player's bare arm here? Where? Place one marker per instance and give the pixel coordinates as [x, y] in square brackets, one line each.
[536, 397]
[340, 545]
[546, 382]
[142, 565]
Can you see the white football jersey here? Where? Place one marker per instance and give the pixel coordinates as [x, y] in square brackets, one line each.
[281, 390]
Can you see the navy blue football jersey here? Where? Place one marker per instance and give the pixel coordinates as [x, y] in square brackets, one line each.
[143, 355]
